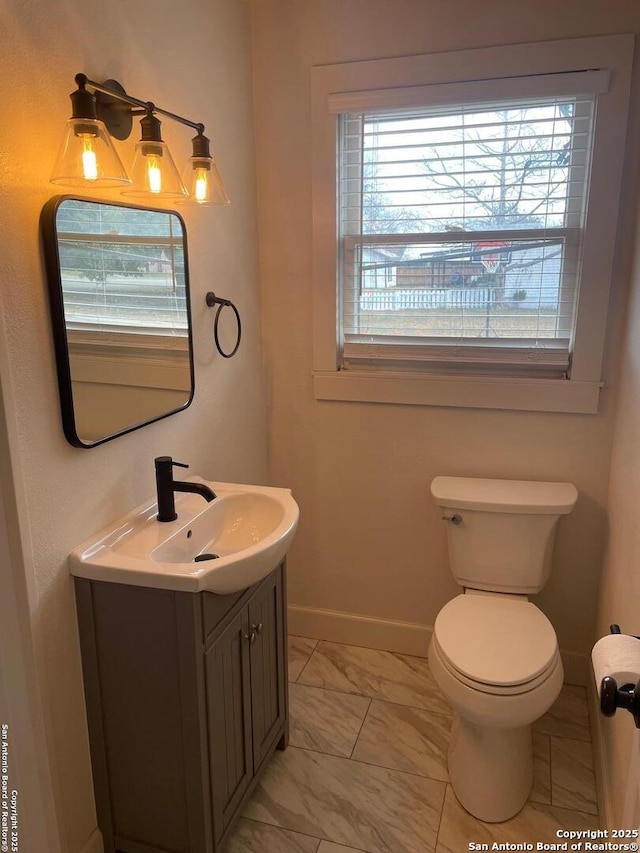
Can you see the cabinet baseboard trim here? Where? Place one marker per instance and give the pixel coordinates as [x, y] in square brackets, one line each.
[408, 638]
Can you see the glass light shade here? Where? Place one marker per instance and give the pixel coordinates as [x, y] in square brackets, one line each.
[87, 157]
[204, 182]
[154, 173]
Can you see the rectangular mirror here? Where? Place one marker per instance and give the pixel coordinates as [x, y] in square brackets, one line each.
[119, 293]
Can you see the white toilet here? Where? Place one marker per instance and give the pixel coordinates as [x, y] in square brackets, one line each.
[493, 654]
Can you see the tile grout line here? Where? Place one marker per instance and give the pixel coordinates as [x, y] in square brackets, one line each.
[590, 771]
[550, 771]
[377, 698]
[570, 809]
[305, 664]
[370, 764]
[399, 770]
[283, 829]
[294, 681]
[373, 764]
[444, 799]
[355, 743]
[561, 737]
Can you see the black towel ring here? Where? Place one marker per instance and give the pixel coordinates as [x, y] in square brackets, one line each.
[213, 300]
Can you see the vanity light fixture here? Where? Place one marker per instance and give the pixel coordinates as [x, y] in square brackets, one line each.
[87, 156]
[202, 176]
[154, 172]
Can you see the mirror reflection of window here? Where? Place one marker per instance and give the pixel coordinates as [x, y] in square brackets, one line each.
[122, 279]
[122, 269]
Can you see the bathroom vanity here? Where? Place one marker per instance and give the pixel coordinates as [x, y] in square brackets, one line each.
[186, 699]
[183, 641]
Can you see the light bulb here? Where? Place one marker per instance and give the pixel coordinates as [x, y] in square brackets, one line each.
[89, 159]
[154, 173]
[204, 182]
[201, 174]
[87, 156]
[201, 185]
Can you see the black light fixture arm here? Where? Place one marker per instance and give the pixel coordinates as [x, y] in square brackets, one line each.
[147, 106]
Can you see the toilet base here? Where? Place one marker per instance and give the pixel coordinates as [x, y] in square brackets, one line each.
[491, 769]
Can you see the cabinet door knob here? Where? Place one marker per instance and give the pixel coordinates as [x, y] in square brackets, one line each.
[258, 626]
[251, 637]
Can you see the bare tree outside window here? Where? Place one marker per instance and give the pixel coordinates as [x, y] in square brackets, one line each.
[511, 176]
[509, 172]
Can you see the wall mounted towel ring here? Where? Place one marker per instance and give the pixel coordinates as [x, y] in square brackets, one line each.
[213, 300]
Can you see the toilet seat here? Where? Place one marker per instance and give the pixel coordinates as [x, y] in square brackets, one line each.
[495, 689]
[495, 643]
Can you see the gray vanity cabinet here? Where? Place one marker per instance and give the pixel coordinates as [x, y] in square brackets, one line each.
[186, 699]
[268, 661]
[246, 701]
[229, 718]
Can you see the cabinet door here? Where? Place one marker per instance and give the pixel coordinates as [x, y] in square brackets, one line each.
[266, 615]
[229, 718]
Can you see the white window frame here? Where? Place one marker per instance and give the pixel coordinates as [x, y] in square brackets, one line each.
[403, 81]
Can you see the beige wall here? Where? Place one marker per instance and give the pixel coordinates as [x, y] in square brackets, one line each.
[103, 409]
[370, 541]
[620, 591]
[194, 58]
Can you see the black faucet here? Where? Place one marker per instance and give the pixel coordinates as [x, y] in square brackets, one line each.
[167, 487]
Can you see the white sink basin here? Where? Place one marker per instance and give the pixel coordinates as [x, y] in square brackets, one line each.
[246, 531]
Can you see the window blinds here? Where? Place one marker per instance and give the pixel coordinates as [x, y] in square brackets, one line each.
[461, 232]
[130, 279]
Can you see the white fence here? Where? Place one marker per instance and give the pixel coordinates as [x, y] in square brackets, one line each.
[407, 299]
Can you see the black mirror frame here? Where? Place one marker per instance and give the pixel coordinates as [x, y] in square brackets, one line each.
[56, 304]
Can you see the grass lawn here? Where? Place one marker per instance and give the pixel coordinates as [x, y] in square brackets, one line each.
[502, 321]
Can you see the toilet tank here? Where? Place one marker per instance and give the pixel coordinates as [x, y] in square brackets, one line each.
[500, 532]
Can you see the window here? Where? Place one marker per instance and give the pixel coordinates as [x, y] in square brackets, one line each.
[461, 230]
[475, 223]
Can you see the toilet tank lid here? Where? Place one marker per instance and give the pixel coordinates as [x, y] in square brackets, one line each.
[517, 496]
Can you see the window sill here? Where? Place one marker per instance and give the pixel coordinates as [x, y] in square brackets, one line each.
[477, 392]
[141, 369]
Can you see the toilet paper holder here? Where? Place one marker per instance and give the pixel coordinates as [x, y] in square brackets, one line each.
[613, 697]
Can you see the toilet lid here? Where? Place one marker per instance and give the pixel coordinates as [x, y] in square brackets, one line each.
[495, 639]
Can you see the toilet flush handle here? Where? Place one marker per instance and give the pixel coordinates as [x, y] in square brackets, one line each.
[454, 519]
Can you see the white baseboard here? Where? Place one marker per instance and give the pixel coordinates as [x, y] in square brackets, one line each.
[94, 843]
[388, 635]
[407, 638]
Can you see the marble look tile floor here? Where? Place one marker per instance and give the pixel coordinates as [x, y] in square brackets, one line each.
[366, 766]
